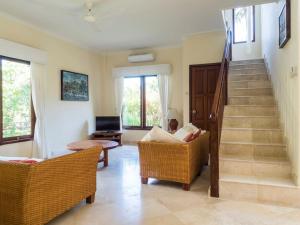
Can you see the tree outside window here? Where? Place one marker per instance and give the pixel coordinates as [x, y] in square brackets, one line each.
[141, 105]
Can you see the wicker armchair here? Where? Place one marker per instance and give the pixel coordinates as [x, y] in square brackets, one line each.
[173, 162]
[33, 194]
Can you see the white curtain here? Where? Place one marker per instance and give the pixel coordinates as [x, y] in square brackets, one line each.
[163, 84]
[38, 75]
[250, 26]
[119, 92]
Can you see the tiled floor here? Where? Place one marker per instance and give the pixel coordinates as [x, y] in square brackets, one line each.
[122, 200]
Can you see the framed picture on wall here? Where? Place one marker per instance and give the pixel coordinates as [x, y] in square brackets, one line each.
[285, 24]
[74, 86]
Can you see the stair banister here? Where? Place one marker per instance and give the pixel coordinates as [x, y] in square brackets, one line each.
[216, 116]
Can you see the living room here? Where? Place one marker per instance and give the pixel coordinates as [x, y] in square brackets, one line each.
[62, 36]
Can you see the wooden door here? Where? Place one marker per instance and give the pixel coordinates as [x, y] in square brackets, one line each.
[203, 82]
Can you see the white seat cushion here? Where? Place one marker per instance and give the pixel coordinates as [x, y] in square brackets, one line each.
[5, 158]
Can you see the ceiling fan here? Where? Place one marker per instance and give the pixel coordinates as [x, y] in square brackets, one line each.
[89, 17]
[94, 12]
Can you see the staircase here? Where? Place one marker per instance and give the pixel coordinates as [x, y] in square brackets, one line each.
[253, 160]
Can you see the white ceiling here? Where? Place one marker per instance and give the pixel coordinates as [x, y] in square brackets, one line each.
[123, 24]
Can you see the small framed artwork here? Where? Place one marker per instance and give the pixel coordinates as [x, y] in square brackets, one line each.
[285, 24]
[74, 86]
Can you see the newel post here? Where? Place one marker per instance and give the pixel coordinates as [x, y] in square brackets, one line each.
[214, 157]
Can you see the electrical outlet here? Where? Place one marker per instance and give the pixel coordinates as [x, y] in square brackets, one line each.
[293, 71]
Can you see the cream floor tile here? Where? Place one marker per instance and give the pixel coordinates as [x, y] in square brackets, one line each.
[122, 200]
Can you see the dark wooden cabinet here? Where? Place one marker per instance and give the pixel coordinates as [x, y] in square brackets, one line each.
[111, 136]
[203, 82]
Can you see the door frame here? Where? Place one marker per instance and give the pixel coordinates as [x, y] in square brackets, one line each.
[190, 83]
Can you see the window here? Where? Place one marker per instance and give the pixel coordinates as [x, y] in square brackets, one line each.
[17, 112]
[141, 105]
[241, 26]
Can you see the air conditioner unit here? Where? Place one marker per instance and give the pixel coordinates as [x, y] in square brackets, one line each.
[141, 58]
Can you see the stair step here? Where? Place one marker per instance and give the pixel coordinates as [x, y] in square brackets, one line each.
[274, 136]
[250, 84]
[251, 122]
[248, 66]
[247, 71]
[272, 181]
[249, 91]
[253, 110]
[253, 150]
[261, 168]
[254, 77]
[253, 158]
[246, 62]
[251, 100]
[271, 190]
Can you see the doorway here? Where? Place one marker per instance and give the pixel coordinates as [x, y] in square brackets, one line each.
[203, 82]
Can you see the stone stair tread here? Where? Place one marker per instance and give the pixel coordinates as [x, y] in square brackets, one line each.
[255, 159]
[269, 181]
[247, 96]
[253, 143]
[250, 106]
[233, 69]
[245, 74]
[258, 129]
[268, 117]
[250, 88]
[239, 81]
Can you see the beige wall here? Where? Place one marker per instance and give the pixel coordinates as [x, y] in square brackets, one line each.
[199, 49]
[244, 51]
[286, 86]
[69, 121]
[112, 60]
[196, 49]
[66, 121]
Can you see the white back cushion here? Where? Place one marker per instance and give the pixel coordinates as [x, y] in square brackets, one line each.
[159, 135]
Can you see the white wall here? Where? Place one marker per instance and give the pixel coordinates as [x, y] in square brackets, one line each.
[286, 87]
[66, 121]
[245, 51]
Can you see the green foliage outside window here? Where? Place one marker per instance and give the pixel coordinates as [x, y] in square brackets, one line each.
[16, 99]
[132, 102]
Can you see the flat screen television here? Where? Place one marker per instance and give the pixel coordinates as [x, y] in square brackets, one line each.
[107, 123]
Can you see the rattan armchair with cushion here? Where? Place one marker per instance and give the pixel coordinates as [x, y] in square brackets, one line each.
[178, 162]
[33, 194]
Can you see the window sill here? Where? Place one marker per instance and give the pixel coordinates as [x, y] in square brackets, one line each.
[7, 142]
[242, 42]
[137, 128]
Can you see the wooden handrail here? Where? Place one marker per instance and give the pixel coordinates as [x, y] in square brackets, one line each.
[216, 116]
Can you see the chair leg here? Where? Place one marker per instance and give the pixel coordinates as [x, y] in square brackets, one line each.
[90, 199]
[144, 180]
[186, 187]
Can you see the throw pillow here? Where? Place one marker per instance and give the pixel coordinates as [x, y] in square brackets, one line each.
[159, 135]
[186, 131]
[27, 161]
[189, 137]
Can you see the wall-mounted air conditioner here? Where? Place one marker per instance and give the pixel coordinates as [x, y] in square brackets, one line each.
[141, 58]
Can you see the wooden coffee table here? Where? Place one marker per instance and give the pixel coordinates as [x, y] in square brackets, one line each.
[106, 145]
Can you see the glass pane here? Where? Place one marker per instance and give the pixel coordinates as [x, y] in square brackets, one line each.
[240, 26]
[16, 98]
[153, 108]
[132, 102]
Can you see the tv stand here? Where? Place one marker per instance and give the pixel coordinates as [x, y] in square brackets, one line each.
[107, 135]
